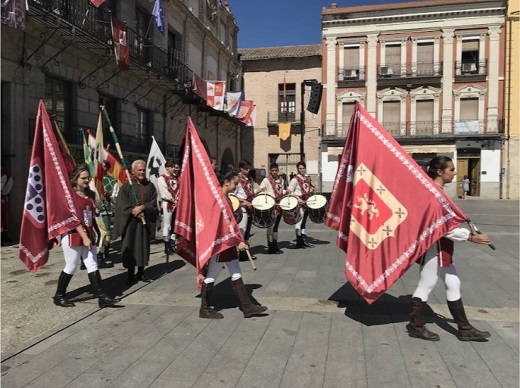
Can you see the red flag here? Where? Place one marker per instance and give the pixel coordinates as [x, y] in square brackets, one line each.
[200, 87]
[204, 218]
[386, 210]
[70, 163]
[49, 208]
[97, 3]
[246, 107]
[116, 169]
[120, 43]
[99, 159]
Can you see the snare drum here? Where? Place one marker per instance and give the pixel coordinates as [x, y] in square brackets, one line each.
[290, 209]
[317, 207]
[264, 215]
[235, 205]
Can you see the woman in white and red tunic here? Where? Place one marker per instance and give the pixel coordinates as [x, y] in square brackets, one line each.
[79, 245]
[438, 263]
[230, 258]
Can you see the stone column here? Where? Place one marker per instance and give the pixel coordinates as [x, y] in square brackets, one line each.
[330, 87]
[447, 80]
[493, 73]
[372, 74]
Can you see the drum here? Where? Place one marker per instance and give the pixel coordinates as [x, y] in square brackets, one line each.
[264, 215]
[235, 205]
[290, 209]
[317, 208]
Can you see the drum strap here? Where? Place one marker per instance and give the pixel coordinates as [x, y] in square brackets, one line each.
[277, 186]
[248, 187]
[305, 185]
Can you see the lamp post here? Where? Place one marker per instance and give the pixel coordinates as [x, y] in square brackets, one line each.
[307, 82]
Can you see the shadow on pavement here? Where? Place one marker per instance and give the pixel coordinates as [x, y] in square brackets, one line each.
[223, 297]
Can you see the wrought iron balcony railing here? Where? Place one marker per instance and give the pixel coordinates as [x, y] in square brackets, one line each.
[348, 74]
[414, 69]
[86, 20]
[427, 128]
[282, 117]
[471, 67]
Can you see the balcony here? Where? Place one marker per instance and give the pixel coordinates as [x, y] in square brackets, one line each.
[432, 130]
[273, 118]
[90, 27]
[351, 77]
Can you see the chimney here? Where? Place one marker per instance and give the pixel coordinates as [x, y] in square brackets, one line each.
[334, 5]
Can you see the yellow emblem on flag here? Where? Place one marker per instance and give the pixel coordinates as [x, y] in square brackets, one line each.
[284, 130]
[376, 212]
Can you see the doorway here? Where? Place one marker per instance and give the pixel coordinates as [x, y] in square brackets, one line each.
[468, 166]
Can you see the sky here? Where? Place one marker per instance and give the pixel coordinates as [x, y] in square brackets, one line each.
[271, 23]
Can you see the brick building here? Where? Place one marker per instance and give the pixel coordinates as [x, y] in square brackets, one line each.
[266, 71]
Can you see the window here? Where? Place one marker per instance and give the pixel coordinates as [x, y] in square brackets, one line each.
[143, 35]
[286, 102]
[425, 58]
[392, 116]
[424, 117]
[346, 110]
[143, 125]
[469, 57]
[110, 105]
[175, 56]
[351, 58]
[57, 101]
[392, 60]
[469, 109]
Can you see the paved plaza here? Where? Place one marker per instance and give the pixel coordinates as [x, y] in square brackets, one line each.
[318, 332]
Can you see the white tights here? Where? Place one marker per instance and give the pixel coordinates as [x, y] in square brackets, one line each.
[167, 221]
[73, 256]
[430, 273]
[215, 267]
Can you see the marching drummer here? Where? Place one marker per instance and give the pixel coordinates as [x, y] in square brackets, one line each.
[302, 187]
[274, 185]
[245, 191]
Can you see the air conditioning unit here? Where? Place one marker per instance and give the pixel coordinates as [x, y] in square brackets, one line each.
[469, 67]
[386, 71]
[350, 74]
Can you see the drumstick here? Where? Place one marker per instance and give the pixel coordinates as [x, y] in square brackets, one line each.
[251, 260]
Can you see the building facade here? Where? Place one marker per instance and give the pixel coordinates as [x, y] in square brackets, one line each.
[511, 155]
[63, 52]
[278, 80]
[432, 73]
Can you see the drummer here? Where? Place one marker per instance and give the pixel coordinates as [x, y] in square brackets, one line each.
[302, 187]
[245, 191]
[274, 185]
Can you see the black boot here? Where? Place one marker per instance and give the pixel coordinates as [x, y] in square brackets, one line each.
[141, 276]
[131, 276]
[305, 242]
[82, 265]
[103, 299]
[103, 261]
[273, 248]
[59, 298]
[466, 332]
[168, 248]
[416, 326]
[205, 306]
[299, 242]
[249, 309]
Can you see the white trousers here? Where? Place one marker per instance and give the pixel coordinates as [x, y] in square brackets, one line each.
[73, 257]
[430, 273]
[167, 221]
[215, 267]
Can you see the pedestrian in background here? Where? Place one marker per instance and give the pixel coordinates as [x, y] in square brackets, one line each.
[78, 244]
[438, 262]
[465, 186]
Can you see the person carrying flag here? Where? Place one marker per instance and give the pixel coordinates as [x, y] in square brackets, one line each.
[438, 262]
[230, 258]
[169, 191]
[78, 244]
[135, 217]
[302, 187]
[274, 185]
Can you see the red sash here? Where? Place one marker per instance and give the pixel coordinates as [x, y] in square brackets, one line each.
[305, 186]
[172, 184]
[277, 186]
[248, 187]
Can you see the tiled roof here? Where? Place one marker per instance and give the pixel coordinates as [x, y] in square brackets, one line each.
[280, 52]
[394, 6]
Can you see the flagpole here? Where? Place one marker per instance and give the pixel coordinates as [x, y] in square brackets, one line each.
[474, 229]
[120, 153]
[251, 260]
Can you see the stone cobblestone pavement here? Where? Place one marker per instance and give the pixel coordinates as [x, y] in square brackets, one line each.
[318, 333]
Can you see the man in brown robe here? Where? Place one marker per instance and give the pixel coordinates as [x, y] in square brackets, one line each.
[130, 211]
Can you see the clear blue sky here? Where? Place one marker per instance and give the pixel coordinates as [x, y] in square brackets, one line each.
[270, 23]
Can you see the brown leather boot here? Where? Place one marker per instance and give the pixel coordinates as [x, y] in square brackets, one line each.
[103, 299]
[466, 332]
[249, 309]
[205, 307]
[416, 328]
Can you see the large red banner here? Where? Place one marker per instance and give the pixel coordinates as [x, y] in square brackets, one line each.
[49, 209]
[204, 218]
[386, 210]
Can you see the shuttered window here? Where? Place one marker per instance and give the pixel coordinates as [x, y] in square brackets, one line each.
[393, 55]
[351, 56]
[425, 58]
[392, 116]
[469, 109]
[470, 45]
[424, 116]
[348, 108]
